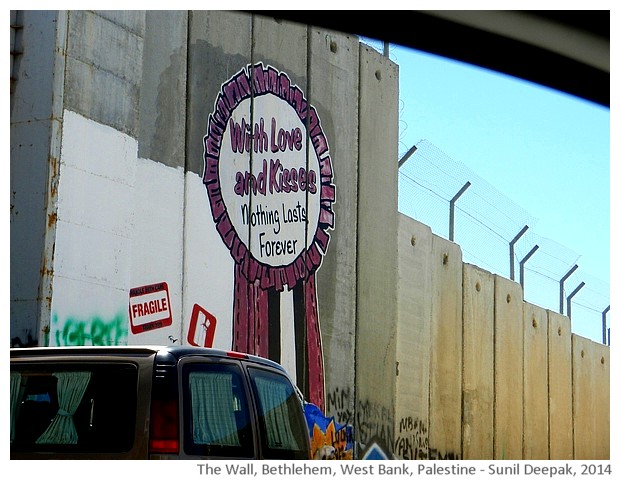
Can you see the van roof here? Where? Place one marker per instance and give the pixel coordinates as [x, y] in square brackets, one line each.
[177, 351]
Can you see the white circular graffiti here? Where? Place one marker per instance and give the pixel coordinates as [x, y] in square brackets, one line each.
[272, 189]
[268, 176]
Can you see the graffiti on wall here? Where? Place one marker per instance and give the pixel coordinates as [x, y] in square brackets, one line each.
[407, 439]
[411, 442]
[329, 440]
[201, 327]
[374, 421]
[28, 340]
[339, 404]
[269, 180]
[90, 331]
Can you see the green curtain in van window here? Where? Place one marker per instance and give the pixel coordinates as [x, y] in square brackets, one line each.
[16, 381]
[274, 402]
[213, 406]
[71, 387]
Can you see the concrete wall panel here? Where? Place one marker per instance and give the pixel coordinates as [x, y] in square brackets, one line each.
[36, 117]
[601, 372]
[446, 349]
[41, 33]
[220, 44]
[508, 439]
[376, 248]
[478, 361]
[268, 38]
[413, 351]
[284, 45]
[134, 240]
[157, 238]
[590, 399]
[560, 387]
[126, 19]
[584, 401]
[334, 65]
[104, 57]
[92, 251]
[163, 98]
[29, 186]
[535, 384]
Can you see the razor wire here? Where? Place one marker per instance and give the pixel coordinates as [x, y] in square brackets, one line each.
[487, 222]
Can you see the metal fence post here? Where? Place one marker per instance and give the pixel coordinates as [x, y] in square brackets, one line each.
[512, 251]
[522, 266]
[562, 280]
[570, 298]
[452, 203]
[605, 324]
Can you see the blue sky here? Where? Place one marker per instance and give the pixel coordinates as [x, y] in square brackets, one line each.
[547, 151]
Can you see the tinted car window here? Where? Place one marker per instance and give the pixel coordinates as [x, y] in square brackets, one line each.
[280, 419]
[216, 413]
[73, 408]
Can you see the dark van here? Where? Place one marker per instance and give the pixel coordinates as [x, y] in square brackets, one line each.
[161, 402]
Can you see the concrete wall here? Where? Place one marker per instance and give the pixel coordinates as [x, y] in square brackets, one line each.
[375, 365]
[138, 216]
[122, 205]
[511, 382]
[36, 121]
[478, 363]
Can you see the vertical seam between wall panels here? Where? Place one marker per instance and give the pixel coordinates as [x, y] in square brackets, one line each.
[572, 395]
[186, 169]
[462, 361]
[251, 197]
[493, 455]
[306, 122]
[524, 332]
[357, 241]
[46, 286]
[548, 388]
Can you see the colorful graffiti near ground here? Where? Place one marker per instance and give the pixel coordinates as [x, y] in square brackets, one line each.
[268, 176]
[329, 440]
[90, 331]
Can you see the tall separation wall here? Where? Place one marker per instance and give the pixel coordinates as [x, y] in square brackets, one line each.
[229, 180]
[194, 177]
[495, 377]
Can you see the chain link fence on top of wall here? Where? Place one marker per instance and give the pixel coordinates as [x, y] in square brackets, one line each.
[485, 223]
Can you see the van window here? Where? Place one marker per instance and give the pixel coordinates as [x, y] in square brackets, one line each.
[281, 420]
[70, 408]
[217, 418]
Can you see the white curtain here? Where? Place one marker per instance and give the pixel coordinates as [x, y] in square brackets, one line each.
[273, 397]
[213, 415]
[71, 387]
[16, 381]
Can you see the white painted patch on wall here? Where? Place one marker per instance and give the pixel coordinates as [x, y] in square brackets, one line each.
[209, 268]
[90, 272]
[157, 241]
[126, 222]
